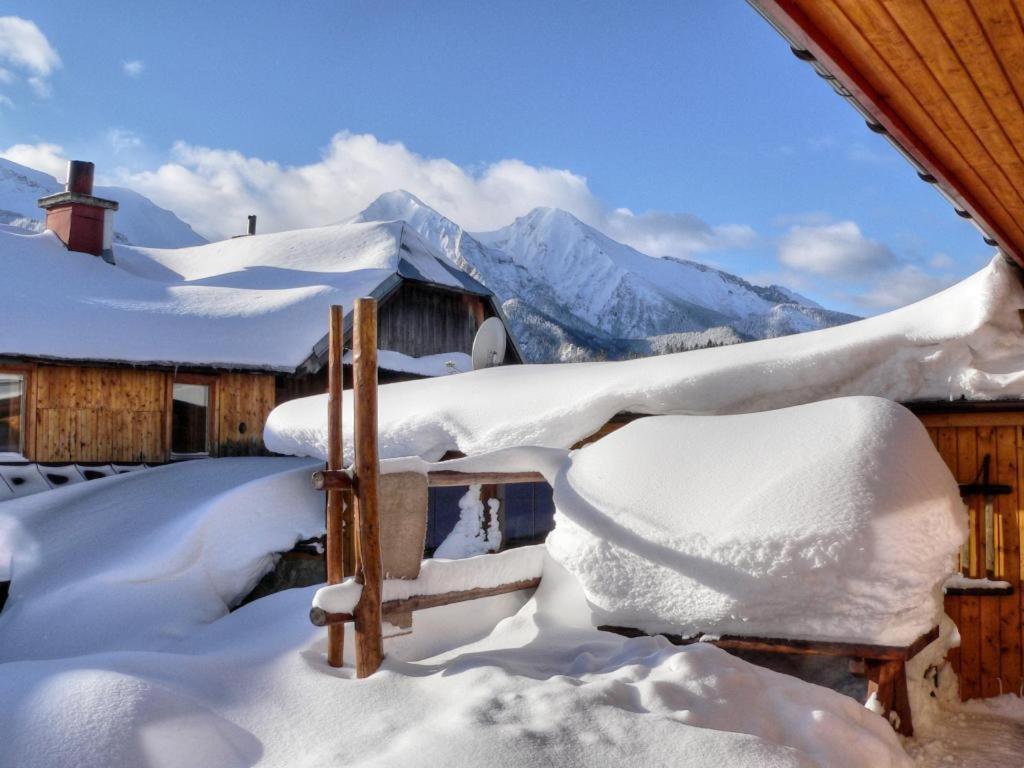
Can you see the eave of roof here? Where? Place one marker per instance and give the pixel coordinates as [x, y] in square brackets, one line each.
[875, 61]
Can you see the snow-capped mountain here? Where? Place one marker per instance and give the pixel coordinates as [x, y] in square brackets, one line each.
[571, 292]
[138, 221]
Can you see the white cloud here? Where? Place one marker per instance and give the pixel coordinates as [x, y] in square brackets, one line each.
[133, 68]
[834, 250]
[25, 49]
[214, 189]
[904, 286]
[6, 102]
[661, 233]
[123, 140]
[48, 158]
[40, 86]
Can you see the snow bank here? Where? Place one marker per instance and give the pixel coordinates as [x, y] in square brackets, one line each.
[962, 342]
[256, 302]
[140, 559]
[476, 684]
[836, 520]
[438, 576]
[443, 364]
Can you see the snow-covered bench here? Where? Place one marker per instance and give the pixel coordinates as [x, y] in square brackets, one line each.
[883, 665]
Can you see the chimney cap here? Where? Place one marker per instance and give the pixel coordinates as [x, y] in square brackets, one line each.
[67, 198]
[80, 176]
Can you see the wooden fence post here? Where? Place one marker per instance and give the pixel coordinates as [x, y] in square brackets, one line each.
[367, 615]
[335, 461]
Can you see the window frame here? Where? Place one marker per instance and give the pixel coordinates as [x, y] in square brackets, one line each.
[210, 382]
[26, 438]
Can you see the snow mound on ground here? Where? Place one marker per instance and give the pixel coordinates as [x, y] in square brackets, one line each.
[140, 560]
[962, 342]
[491, 682]
[836, 520]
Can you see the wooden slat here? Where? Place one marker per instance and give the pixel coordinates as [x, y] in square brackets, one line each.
[793, 645]
[990, 627]
[321, 618]
[952, 606]
[970, 647]
[982, 419]
[1009, 447]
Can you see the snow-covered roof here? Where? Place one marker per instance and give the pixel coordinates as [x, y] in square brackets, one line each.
[256, 302]
[963, 342]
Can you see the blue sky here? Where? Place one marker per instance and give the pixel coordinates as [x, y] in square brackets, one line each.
[693, 117]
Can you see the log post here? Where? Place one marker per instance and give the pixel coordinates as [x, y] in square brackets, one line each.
[367, 613]
[335, 461]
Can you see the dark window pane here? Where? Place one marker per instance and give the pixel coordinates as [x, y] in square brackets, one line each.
[519, 511]
[190, 419]
[12, 407]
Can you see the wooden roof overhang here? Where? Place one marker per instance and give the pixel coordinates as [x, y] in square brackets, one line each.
[942, 79]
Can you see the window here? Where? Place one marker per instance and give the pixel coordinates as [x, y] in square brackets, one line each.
[12, 413]
[190, 420]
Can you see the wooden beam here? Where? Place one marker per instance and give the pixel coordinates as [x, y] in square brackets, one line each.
[368, 631]
[321, 618]
[335, 462]
[446, 477]
[343, 479]
[799, 647]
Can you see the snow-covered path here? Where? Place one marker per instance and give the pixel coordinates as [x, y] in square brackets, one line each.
[985, 734]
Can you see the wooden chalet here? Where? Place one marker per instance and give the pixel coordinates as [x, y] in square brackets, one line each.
[104, 406]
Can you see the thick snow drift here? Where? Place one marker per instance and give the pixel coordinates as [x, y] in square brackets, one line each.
[252, 302]
[963, 342]
[836, 520]
[467, 688]
[140, 560]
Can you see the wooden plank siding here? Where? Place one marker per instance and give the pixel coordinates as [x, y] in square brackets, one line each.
[419, 319]
[102, 414]
[243, 403]
[989, 660]
[945, 78]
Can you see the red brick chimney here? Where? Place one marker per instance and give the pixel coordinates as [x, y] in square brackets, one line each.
[83, 222]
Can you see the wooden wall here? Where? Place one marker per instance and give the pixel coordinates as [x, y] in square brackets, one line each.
[88, 414]
[242, 399]
[99, 414]
[421, 320]
[989, 660]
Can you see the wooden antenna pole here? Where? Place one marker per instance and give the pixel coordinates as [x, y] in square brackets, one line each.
[368, 632]
[335, 461]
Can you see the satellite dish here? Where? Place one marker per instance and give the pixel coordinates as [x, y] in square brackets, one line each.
[489, 344]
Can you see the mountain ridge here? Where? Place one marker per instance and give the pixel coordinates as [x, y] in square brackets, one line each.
[572, 292]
